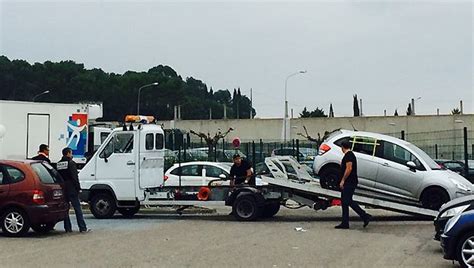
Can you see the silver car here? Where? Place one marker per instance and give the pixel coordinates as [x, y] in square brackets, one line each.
[392, 167]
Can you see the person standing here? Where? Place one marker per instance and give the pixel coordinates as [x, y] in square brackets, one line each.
[68, 170]
[348, 185]
[43, 154]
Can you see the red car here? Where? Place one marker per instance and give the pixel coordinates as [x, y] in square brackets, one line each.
[30, 196]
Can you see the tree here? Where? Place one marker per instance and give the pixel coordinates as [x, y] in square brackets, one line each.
[316, 113]
[396, 112]
[409, 110]
[356, 106]
[211, 141]
[331, 111]
[455, 111]
[308, 137]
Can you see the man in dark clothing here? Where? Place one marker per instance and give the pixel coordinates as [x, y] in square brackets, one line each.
[43, 154]
[348, 185]
[241, 172]
[68, 170]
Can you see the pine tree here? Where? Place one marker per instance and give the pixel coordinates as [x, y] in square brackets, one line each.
[356, 106]
[396, 113]
[331, 111]
[409, 111]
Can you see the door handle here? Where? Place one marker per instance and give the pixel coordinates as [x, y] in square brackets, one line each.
[130, 163]
[385, 165]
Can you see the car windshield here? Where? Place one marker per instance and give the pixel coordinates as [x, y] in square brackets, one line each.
[428, 160]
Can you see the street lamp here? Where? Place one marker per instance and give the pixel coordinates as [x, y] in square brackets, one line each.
[286, 102]
[140, 91]
[41, 94]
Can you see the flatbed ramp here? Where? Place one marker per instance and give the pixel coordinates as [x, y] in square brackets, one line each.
[314, 188]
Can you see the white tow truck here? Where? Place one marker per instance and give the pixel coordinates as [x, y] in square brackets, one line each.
[127, 173]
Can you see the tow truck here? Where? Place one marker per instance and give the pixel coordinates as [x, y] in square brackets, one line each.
[127, 172]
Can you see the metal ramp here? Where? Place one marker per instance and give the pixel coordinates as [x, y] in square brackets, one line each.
[314, 188]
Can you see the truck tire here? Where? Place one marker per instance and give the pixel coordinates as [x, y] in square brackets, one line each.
[245, 208]
[329, 178]
[270, 210]
[103, 206]
[129, 212]
[15, 223]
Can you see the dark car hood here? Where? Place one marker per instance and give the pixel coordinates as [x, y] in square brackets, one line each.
[461, 201]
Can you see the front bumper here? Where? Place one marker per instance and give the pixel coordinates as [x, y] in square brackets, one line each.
[448, 244]
[439, 224]
[40, 214]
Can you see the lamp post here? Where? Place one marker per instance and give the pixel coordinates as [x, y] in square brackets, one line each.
[286, 102]
[140, 91]
[41, 94]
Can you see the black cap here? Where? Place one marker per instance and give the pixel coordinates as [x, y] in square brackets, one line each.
[236, 156]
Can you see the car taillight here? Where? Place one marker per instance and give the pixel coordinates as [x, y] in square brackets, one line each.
[38, 197]
[165, 178]
[324, 148]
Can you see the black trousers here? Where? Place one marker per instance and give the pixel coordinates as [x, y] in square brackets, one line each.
[346, 196]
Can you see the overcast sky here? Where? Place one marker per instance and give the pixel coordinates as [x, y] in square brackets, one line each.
[385, 51]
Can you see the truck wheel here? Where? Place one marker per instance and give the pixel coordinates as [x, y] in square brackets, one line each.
[329, 178]
[270, 210]
[129, 212]
[43, 228]
[245, 208]
[103, 206]
[15, 223]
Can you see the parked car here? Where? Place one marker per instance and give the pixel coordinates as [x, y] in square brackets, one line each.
[223, 155]
[30, 196]
[458, 167]
[170, 158]
[457, 240]
[449, 210]
[392, 167]
[306, 155]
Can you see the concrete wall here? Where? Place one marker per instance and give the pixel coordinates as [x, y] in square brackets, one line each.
[271, 129]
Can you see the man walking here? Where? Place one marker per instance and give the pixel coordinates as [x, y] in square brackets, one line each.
[348, 185]
[43, 154]
[68, 170]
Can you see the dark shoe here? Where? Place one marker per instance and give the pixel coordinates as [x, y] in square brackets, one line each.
[341, 226]
[86, 231]
[367, 219]
[68, 231]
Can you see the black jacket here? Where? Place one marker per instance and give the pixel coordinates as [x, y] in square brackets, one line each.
[41, 158]
[68, 170]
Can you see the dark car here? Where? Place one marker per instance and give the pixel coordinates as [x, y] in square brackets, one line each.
[457, 240]
[449, 210]
[458, 167]
[30, 196]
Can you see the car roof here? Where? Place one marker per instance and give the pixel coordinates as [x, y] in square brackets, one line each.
[226, 165]
[18, 161]
[346, 132]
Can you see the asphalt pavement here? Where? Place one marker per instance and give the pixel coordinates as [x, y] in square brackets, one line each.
[293, 238]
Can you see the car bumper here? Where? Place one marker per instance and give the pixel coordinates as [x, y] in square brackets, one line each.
[40, 214]
[439, 224]
[449, 247]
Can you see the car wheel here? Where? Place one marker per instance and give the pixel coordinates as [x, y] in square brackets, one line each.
[270, 210]
[43, 228]
[434, 198]
[465, 250]
[129, 212]
[245, 208]
[15, 223]
[329, 178]
[103, 206]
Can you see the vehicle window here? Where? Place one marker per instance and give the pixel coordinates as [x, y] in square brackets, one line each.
[452, 165]
[398, 154]
[192, 170]
[149, 140]
[261, 169]
[214, 172]
[2, 176]
[15, 175]
[289, 168]
[43, 174]
[103, 136]
[341, 140]
[159, 143]
[121, 143]
[279, 166]
[364, 145]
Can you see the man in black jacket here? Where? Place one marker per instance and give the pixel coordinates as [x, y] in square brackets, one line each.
[68, 170]
[43, 154]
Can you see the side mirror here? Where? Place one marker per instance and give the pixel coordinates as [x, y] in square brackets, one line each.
[411, 165]
[223, 177]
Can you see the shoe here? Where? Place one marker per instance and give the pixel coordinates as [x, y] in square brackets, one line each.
[367, 219]
[341, 226]
[68, 231]
[86, 231]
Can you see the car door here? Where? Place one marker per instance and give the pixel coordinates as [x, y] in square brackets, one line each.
[394, 176]
[212, 173]
[191, 175]
[367, 166]
[151, 159]
[116, 164]
[4, 186]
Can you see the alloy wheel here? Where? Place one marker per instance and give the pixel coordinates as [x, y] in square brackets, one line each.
[14, 222]
[468, 252]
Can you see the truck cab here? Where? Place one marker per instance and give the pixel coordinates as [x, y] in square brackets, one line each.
[126, 166]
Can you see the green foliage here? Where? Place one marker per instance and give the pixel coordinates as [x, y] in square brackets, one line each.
[356, 106]
[70, 82]
[316, 113]
[455, 111]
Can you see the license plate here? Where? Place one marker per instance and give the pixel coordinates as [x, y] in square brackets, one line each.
[57, 194]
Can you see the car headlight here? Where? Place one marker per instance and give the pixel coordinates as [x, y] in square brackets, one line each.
[461, 186]
[454, 211]
[451, 223]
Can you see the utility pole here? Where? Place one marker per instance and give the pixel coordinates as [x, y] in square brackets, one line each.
[251, 104]
[461, 107]
[361, 113]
